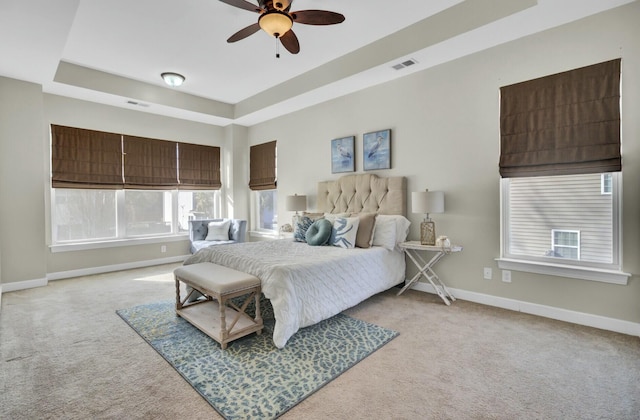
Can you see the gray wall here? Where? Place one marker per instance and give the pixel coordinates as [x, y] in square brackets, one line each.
[445, 123]
[22, 175]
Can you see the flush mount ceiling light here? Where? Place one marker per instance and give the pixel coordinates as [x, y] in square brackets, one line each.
[172, 79]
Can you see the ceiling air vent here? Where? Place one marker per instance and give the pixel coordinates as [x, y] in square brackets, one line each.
[138, 104]
[404, 64]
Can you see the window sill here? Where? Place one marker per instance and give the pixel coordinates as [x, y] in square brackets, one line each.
[583, 273]
[82, 246]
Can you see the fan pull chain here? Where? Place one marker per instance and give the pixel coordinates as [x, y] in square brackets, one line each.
[277, 48]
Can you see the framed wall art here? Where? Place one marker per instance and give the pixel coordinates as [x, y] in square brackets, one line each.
[343, 157]
[376, 150]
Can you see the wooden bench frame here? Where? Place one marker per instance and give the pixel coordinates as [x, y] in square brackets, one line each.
[210, 314]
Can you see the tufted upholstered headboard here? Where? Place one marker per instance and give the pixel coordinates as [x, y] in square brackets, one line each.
[363, 193]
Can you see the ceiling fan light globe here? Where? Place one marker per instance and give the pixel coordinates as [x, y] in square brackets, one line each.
[275, 23]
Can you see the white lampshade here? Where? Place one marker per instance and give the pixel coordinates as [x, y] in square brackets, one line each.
[427, 202]
[296, 202]
[172, 79]
[275, 23]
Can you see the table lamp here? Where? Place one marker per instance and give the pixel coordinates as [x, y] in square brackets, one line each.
[427, 202]
[296, 203]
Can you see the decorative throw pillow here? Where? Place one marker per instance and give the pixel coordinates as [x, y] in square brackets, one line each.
[384, 233]
[218, 231]
[300, 230]
[319, 232]
[344, 232]
[367, 222]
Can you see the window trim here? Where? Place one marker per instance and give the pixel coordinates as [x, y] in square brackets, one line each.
[609, 273]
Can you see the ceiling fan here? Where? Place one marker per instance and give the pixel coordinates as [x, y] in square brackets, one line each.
[276, 19]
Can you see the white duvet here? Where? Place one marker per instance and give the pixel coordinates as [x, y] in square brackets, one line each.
[307, 284]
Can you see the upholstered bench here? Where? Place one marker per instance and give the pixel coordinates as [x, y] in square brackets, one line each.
[219, 285]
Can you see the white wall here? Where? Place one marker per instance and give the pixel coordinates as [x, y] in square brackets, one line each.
[445, 124]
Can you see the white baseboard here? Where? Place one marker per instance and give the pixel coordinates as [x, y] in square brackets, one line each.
[580, 318]
[21, 285]
[28, 284]
[115, 267]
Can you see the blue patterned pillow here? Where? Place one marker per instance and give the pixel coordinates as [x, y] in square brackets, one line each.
[300, 231]
[344, 232]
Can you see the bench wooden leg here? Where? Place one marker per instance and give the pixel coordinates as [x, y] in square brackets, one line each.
[224, 334]
[178, 302]
[258, 317]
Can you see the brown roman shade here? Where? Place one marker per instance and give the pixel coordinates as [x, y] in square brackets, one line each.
[150, 164]
[566, 123]
[262, 166]
[199, 167]
[91, 159]
[85, 158]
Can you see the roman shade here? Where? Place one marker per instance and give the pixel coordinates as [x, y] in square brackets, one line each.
[89, 159]
[199, 167]
[566, 123]
[150, 164]
[262, 166]
[85, 158]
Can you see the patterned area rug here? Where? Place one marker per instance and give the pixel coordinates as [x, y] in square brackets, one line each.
[252, 379]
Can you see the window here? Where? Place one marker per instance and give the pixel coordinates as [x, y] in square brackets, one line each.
[561, 165]
[565, 244]
[266, 210]
[83, 215]
[605, 181]
[109, 186]
[560, 219]
[263, 181]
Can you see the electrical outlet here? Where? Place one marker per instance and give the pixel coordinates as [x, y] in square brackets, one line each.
[506, 276]
[163, 248]
[487, 273]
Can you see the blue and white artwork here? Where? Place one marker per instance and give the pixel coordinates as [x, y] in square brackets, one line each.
[342, 155]
[376, 150]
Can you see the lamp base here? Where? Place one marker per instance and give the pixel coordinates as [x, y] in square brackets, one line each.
[427, 233]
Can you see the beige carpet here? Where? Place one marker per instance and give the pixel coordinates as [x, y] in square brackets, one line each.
[65, 354]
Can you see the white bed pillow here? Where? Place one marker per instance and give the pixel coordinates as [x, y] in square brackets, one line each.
[218, 231]
[344, 232]
[384, 233]
[402, 225]
[390, 230]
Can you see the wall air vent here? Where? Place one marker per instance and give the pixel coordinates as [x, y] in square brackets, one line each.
[404, 64]
[130, 102]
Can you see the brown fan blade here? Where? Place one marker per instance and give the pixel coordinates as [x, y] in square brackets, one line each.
[243, 4]
[317, 17]
[290, 42]
[243, 33]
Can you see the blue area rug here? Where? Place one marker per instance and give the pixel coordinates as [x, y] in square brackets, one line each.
[252, 379]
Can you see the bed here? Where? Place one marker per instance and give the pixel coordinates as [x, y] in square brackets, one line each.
[307, 284]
